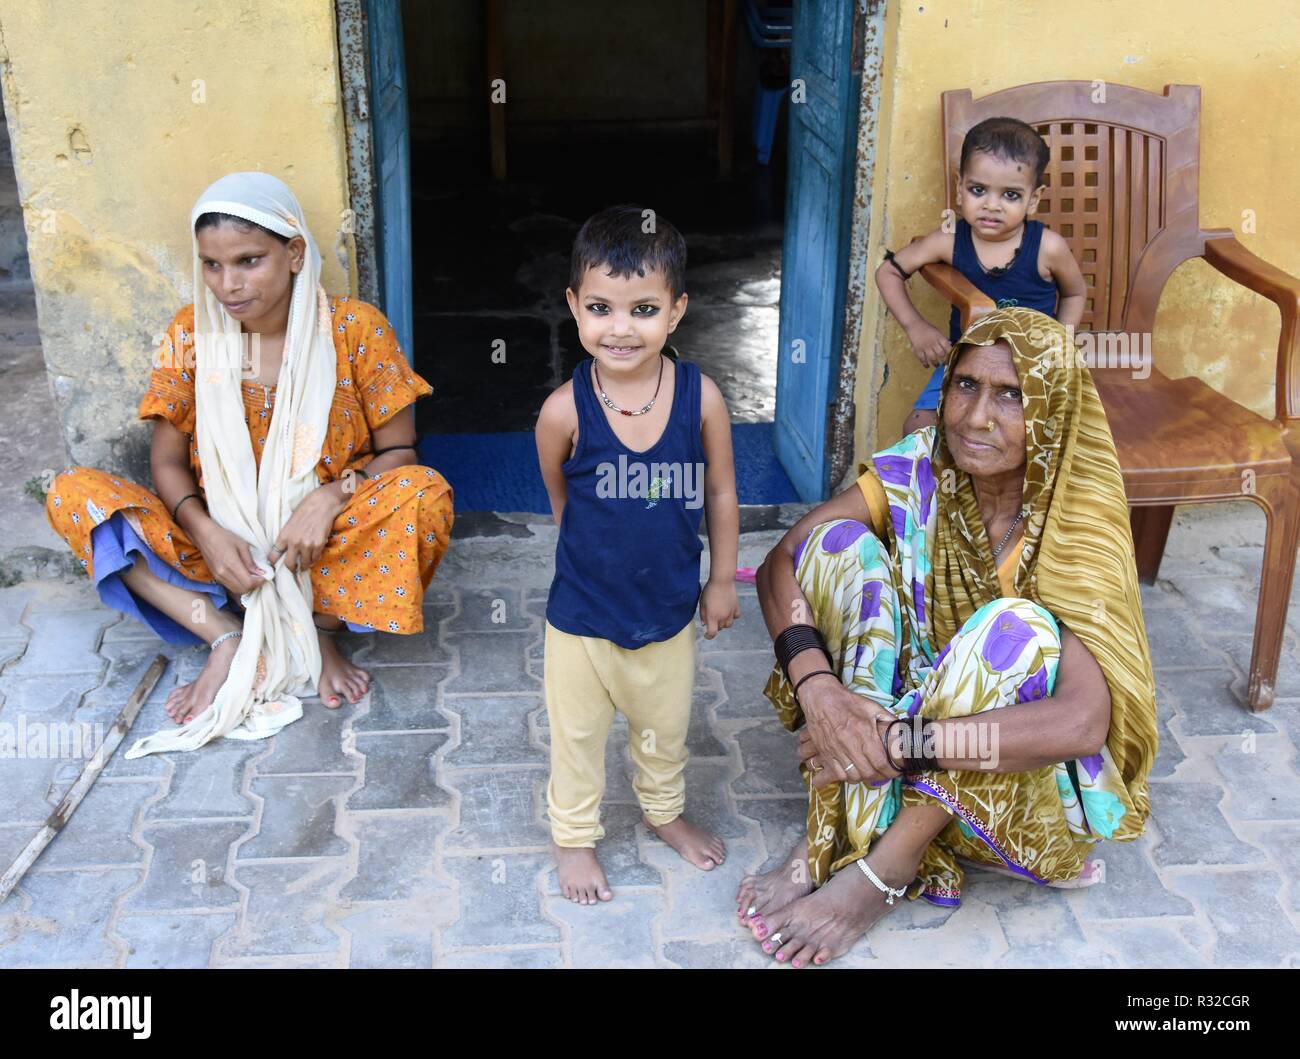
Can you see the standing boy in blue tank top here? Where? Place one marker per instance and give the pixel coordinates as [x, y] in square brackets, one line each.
[1013, 260]
[634, 448]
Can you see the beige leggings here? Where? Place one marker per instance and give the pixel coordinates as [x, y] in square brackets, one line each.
[587, 679]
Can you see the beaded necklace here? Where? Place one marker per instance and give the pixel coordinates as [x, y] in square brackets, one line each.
[623, 411]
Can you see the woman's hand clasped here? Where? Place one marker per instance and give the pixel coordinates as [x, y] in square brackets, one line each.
[841, 738]
[305, 535]
[229, 559]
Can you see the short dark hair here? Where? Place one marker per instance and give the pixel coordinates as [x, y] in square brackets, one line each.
[617, 238]
[215, 220]
[1010, 139]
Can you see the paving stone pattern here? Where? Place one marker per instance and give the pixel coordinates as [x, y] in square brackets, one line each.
[409, 830]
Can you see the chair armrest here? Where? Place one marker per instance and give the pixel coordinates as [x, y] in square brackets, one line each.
[1227, 255]
[970, 301]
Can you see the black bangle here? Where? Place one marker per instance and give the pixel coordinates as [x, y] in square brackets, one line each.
[358, 470]
[188, 496]
[809, 676]
[394, 448]
[889, 256]
[796, 639]
[913, 748]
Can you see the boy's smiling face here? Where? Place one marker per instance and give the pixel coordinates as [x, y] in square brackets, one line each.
[995, 195]
[624, 321]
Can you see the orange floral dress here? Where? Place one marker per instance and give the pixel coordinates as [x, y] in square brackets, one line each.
[383, 548]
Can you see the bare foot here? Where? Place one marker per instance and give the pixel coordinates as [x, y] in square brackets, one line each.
[582, 879]
[339, 678]
[704, 850]
[192, 700]
[828, 922]
[788, 881]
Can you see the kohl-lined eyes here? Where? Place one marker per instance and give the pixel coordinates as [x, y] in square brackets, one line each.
[966, 384]
[978, 191]
[601, 309]
[243, 261]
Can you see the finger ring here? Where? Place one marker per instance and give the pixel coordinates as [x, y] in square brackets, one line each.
[775, 939]
[848, 766]
[749, 912]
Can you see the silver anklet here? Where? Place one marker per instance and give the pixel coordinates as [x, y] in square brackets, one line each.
[224, 637]
[889, 892]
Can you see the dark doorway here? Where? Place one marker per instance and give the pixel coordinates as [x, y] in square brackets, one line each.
[651, 102]
[599, 110]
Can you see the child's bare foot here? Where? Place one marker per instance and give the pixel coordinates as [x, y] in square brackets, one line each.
[788, 881]
[339, 678]
[192, 700]
[704, 850]
[582, 879]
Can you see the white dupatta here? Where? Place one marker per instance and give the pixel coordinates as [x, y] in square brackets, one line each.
[278, 657]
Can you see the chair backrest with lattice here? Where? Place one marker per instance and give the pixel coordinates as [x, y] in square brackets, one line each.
[1121, 184]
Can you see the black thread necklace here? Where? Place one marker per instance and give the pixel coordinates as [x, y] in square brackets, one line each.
[999, 270]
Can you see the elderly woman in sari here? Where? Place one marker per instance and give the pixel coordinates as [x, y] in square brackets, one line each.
[960, 646]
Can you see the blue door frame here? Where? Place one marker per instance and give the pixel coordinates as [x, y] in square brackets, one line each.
[823, 109]
[823, 128]
[392, 165]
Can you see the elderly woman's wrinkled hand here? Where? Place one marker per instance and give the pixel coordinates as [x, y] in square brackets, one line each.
[840, 741]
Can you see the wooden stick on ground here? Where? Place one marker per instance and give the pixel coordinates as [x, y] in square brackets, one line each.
[89, 774]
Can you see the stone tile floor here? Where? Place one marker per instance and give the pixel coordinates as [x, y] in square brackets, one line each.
[409, 830]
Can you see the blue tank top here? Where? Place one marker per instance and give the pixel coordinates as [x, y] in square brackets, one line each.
[627, 565]
[1020, 285]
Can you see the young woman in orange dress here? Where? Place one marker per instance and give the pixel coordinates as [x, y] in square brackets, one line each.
[285, 478]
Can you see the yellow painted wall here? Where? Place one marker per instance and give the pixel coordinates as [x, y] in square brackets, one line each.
[1245, 57]
[120, 114]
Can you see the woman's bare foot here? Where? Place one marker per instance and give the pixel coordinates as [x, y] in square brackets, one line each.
[828, 922]
[582, 879]
[339, 678]
[191, 700]
[706, 851]
[788, 881]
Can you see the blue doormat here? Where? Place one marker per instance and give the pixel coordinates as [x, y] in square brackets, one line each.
[499, 472]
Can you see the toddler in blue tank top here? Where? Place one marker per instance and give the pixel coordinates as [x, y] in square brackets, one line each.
[634, 449]
[1013, 260]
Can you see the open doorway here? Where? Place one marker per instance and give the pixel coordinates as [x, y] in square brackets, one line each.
[526, 118]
